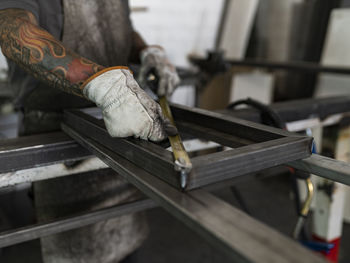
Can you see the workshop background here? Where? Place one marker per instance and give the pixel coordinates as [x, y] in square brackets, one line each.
[315, 31]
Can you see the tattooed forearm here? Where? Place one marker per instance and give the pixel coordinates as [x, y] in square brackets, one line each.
[39, 53]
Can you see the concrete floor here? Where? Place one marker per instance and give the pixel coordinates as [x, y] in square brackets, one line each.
[170, 241]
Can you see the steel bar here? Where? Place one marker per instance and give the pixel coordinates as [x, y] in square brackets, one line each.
[296, 66]
[39, 150]
[238, 235]
[216, 167]
[300, 66]
[149, 156]
[296, 110]
[228, 124]
[213, 120]
[209, 134]
[324, 167]
[27, 233]
[49, 172]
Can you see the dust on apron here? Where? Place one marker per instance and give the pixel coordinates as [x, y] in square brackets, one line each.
[99, 30]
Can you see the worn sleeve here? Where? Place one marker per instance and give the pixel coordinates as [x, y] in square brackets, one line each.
[29, 5]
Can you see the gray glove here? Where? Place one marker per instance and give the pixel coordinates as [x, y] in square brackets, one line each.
[154, 57]
[127, 110]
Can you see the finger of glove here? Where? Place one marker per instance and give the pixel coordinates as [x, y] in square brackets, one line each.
[128, 119]
[142, 77]
[166, 85]
[152, 108]
[149, 104]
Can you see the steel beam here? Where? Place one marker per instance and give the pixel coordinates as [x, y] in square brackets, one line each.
[296, 66]
[27, 233]
[324, 167]
[216, 167]
[49, 172]
[151, 157]
[250, 131]
[39, 150]
[238, 235]
[210, 134]
[296, 110]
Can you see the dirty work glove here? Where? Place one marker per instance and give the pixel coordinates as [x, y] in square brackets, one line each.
[127, 110]
[154, 58]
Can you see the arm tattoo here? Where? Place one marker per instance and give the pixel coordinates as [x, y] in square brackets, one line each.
[39, 53]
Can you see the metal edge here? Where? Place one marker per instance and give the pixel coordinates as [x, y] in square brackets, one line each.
[226, 165]
[16, 236]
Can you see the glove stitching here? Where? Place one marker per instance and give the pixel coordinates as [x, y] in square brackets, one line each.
[143, 106]
[117, 101]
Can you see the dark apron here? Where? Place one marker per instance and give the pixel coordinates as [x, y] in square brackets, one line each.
[100, 31]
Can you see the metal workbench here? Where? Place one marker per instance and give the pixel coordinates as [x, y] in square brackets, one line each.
[226, 227]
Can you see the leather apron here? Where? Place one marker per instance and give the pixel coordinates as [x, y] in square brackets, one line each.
[99, 30]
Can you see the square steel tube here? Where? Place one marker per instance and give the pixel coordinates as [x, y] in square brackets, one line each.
[264, 147]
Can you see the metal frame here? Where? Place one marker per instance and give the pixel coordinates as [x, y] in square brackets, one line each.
[227, 228]
[60, 143]
[259, 146]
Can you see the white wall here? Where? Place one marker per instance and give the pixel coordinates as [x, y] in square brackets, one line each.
[3, 67]
[336, 53]
[181, 27]
[3, 63]
[274, 27]
[237, 27]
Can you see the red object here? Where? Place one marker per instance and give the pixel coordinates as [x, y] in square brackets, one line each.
[333, 253]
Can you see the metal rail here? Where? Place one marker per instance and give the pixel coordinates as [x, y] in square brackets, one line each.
[49, 172]
[39, 150]
[27, 233]
[214, 61]
[325, 167]
[226, 227]
[300, 66]
[296, 110]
